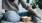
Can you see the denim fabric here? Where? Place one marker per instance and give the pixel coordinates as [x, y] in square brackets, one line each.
[35, 19]
[23, 14]
[11, 16]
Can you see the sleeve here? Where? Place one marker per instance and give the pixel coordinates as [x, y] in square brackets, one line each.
[24, 4]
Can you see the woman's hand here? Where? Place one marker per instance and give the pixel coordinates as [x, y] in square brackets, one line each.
[40, 17]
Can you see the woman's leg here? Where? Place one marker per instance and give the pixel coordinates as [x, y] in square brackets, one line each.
[35, 19]
[11, 16]
[24, 13]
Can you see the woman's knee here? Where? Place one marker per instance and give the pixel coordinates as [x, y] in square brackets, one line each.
[12, 16]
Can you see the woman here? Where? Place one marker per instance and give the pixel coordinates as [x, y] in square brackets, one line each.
[13, 5]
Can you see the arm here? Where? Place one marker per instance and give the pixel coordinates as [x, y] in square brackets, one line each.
[29, 8]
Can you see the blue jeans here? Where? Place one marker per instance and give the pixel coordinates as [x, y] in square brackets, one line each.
[34, 18]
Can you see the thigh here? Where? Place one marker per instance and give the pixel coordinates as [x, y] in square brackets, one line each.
[24, 13]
